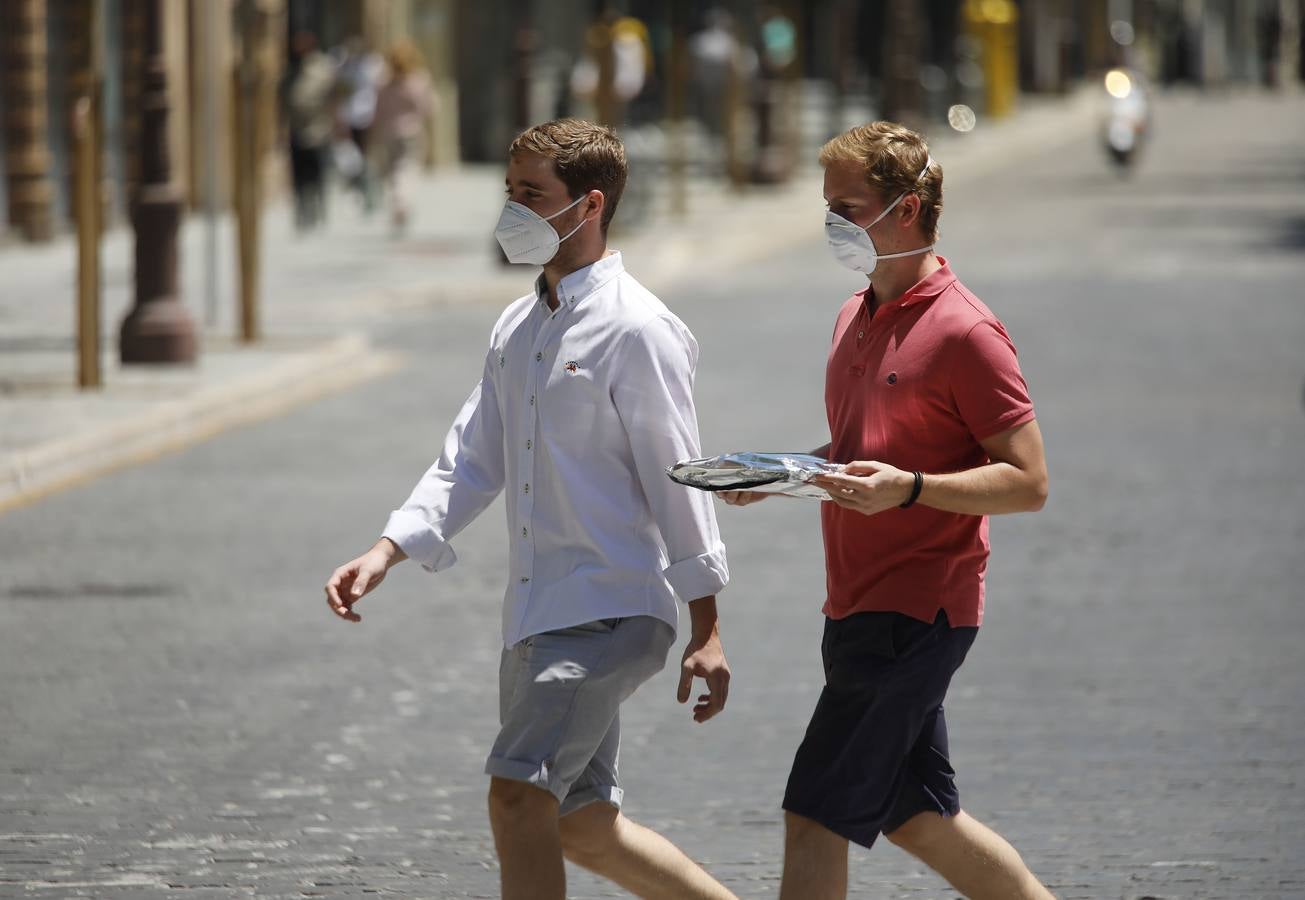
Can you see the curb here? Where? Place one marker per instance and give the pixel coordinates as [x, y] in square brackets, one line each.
[30, 474]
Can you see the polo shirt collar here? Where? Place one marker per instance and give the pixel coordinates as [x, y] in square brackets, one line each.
[926, 288]
[576, 286]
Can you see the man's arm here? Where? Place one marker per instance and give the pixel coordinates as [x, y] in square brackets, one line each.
[704, 657]
[466, 478]
[1014, 481]
[654, 398]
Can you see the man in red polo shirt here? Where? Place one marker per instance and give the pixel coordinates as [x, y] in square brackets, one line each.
[928, 408]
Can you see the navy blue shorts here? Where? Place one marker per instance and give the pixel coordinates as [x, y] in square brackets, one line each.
[875, 752]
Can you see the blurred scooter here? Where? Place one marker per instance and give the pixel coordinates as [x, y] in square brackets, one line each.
[1127, 119]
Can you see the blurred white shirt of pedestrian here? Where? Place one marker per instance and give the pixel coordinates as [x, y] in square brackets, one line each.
[361, 73]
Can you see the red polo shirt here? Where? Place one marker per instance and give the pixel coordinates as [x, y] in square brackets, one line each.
[917, 385]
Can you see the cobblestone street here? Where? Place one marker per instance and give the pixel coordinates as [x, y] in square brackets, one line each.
[182, 715]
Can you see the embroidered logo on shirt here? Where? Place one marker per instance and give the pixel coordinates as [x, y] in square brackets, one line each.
[572, 367]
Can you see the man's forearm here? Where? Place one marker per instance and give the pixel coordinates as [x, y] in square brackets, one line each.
[393, 552]
[702, 616]
[984, 491]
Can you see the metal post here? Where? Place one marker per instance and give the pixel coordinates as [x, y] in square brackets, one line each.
[212, 72]
[1289, 75]
[87, 206]
[247, 154]
[158, 329]
[679, 76]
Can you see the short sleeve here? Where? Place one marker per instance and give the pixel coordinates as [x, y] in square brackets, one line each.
[987, 385]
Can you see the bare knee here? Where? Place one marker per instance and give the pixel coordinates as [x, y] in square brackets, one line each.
[513, 803]
[921, 833]
[808, 837]
[589, 834]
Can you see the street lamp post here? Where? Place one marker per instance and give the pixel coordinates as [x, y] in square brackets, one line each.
[158, 329]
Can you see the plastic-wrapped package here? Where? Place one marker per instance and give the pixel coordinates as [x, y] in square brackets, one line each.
[771, 473]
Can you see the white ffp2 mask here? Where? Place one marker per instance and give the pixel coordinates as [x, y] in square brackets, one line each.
[852, 245]
[525, 235]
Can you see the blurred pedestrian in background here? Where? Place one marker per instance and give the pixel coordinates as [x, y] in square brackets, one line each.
[405, 109]
[359, 74]
[614, 69]
[723, 69]
[307, 96]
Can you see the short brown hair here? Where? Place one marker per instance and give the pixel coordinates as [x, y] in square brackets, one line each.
[892, 157]
[587, 157]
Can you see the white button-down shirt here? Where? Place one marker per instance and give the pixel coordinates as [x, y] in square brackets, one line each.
[577, 415]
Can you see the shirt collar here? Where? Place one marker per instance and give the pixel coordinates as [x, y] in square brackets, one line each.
[926, 288]
[577, 285]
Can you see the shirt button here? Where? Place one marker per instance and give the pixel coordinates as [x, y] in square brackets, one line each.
[527, 445]
[527, 489]
[524, 533]
[524, 580]
[539, 357]
[532, 399]
[859, 335]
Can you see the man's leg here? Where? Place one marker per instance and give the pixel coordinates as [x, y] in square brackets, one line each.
[976, 860]
[639, 859]
[524, 820]
[815, 861]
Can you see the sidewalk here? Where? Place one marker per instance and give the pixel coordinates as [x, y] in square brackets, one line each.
[323, 293]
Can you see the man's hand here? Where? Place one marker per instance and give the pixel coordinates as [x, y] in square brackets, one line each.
[704, 658]
[742, 498]
[867, 487]
[357, 578]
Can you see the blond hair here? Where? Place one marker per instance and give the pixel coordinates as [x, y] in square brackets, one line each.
[404, 58]
[587, 157]
[892, 157]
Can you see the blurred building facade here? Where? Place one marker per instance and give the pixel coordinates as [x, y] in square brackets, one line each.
[499, 65]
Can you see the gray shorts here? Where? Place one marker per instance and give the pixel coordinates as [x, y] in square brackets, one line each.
[560, 694]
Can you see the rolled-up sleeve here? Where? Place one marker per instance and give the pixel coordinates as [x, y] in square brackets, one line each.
[654, 397]
[466, 479]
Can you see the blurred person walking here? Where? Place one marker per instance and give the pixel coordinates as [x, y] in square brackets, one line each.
[585, 397]
[308, 98]
[405, 109]
[929, 410]
[359, 73]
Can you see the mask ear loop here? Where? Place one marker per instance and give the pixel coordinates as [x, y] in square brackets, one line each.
[890, 208]
[564, 209]
[893, 205]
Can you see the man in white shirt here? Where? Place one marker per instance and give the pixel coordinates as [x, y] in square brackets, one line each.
[585, 398]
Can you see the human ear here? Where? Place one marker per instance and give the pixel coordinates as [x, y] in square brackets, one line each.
[911, 207]
[595, 201]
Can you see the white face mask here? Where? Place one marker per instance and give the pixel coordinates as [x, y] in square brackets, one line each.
[526, 236]
[852, 245]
